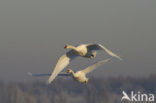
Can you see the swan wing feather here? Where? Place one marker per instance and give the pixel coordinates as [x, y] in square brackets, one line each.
[47, 74]
[61, 64]
[101, 47]
[94, 66]
[39, 74]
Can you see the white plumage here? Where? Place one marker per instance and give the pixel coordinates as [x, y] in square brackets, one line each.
[80, 76]
[84, 50]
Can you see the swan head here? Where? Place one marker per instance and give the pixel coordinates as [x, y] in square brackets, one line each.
[69, 71]
[66, 46]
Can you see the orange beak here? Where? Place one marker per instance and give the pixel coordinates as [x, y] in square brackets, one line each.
[68, 71]
[65, 46]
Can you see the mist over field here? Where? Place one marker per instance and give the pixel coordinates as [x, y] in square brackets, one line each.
[98, 90]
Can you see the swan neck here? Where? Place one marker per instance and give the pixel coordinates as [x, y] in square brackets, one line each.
[72, 72]
[72, 47]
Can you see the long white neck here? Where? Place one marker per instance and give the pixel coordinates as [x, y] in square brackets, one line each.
[73, 73]
[72, 47]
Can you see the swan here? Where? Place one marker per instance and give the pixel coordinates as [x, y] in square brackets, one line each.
[83, 50]
[86, 50]
[79, 76]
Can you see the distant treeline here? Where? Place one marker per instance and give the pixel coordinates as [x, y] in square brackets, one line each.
[98, 90]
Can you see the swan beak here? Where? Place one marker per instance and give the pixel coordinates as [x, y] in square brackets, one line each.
[68, 71]
[65, 47]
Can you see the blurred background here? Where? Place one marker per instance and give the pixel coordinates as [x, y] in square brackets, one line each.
[34, 32]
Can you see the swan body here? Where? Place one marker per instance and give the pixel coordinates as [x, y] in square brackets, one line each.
[83, 50]
[79, 76]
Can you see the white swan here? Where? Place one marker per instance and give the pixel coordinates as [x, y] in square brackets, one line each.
[79, 76]
[84, 50]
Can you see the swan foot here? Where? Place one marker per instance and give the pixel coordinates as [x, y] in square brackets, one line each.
[93, 55]
[86, 81]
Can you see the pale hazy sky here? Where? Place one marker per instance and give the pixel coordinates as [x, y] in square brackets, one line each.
[34, 32]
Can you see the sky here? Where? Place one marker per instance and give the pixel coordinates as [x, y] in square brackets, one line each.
[34, 32]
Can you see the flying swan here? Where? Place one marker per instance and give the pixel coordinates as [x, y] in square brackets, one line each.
[79, 76]
[83, 50]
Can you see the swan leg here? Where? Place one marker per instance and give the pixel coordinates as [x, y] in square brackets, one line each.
[85, 82]
[93, 55]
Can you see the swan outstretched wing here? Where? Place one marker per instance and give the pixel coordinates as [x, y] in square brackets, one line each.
[61, 64]
[94, 66]
[47, 74]
[39, 74]
[100, 47]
